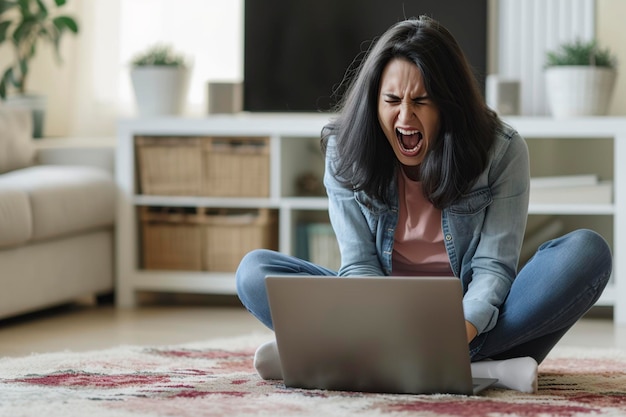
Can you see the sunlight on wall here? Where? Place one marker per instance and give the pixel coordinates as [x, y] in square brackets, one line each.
[611, 34]
[91, 90]
[208, 32]
[530, 28]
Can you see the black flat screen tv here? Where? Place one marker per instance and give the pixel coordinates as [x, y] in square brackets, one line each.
[296, 52]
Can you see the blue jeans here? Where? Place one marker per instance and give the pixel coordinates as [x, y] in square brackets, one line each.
[552, 291]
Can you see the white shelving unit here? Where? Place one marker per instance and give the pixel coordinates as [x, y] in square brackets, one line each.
[294, 140]
[593, 130]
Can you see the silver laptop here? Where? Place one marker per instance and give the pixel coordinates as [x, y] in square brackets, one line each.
[387, 334]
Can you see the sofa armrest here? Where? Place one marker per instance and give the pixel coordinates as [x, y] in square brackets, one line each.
[96, 152]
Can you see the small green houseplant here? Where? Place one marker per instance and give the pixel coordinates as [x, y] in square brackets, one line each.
[159, 55]
[581, 53]
[159, 76]
[23, 24]
[580, 77]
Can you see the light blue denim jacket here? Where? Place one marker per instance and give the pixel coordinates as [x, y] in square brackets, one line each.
[483, 230]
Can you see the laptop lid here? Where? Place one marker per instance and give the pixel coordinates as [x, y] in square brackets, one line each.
[385, 334]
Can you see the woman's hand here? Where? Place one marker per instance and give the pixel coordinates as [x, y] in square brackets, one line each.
[471, 331]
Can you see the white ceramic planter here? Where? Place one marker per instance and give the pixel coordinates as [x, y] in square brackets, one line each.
[159, 90]
[575, 91]
[35, 103]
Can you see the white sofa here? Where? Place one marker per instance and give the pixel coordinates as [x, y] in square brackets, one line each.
[56, 222]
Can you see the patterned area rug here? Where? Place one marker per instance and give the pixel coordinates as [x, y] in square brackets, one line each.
[216, 378]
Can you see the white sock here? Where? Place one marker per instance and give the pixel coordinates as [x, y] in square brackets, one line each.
[518, 374]
[267, 361]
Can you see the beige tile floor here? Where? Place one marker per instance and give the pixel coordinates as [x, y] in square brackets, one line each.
[81, 327]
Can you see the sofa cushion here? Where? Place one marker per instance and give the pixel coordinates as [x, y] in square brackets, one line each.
[16, 146]
[65, 199]
[15, 217]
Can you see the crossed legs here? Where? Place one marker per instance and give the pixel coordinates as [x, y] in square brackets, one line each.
[554, 289]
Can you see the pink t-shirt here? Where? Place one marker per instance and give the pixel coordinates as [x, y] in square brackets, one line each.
[418, 248]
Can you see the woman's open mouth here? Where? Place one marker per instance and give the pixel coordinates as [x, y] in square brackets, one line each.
[410, 141]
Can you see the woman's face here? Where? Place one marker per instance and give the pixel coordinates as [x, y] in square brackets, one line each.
[406, 114]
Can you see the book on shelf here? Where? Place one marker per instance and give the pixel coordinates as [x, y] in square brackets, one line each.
[316, 242]
[570, 189]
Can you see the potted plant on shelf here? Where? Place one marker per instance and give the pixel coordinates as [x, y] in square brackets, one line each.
[580, 78]
[159, 77]
[23, 23]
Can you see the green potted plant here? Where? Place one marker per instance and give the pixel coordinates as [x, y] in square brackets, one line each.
[24, 24]
[580, 77]
[159, 76]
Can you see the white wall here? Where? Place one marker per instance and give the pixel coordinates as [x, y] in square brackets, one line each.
[526, 31]
[60, 82]
[91, 89]
[611, 33]
[50, 77]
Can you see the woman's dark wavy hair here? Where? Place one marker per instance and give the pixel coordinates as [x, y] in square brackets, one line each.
[460, 153]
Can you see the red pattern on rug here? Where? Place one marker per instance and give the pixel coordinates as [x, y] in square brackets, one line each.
[216, 378]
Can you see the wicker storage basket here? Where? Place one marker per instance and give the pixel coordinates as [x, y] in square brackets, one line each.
[169, 165]
[236, 167]
[172, 238]
[230, 234]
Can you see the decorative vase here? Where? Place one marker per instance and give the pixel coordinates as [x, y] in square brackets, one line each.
[159, 90]
[575, 91]
[35, 103]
